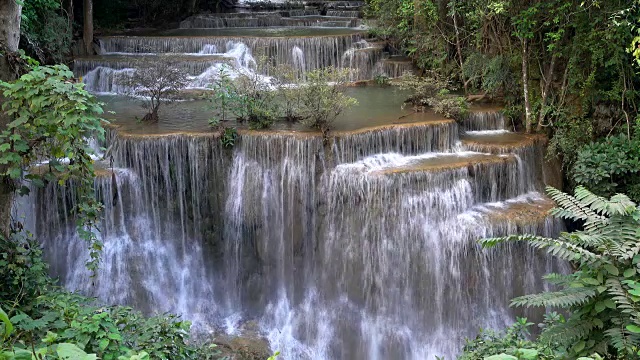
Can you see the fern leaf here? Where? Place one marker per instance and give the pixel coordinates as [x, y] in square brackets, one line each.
[565, 298]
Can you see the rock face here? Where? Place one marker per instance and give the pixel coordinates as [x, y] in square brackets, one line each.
[248, 345]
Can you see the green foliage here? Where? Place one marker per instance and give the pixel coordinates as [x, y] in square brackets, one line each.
[229, 136]
[248, 97]
[603, 293]
[47, 29]
[287, 81]
[610, 166]
[382, 80]
[323, 98]
[226, 100]
[52, 118]
[512, 344]
[434, 92]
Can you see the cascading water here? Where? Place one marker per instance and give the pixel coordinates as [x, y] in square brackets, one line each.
[359, 246]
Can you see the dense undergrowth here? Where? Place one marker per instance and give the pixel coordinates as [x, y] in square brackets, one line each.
[562, 67]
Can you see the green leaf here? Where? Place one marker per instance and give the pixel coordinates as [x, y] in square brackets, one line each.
[527, 354]
[629, 273]
[103, 344]
[68, 351]
[501, 357]
[21, 354]
[611, 269]
[8, 327]
[633, 328]
[577, 348]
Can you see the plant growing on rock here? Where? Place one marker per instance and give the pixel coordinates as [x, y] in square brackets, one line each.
[324, 98]
[158, 82]
[434, 92]
[286, 80]
[257, 103]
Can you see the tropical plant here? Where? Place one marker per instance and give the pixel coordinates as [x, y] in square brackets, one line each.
[42, 319]
[228, 137]
[47, 29]
[603, 293]
[287, 81]
[52, 119]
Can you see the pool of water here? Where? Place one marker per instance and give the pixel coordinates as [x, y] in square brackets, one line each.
[377, 106]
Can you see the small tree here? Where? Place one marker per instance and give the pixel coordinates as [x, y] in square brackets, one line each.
[323, 98]
[434, 92]
[159, 82]
[287, 81]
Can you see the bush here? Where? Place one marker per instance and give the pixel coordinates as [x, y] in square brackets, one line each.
[47, 31]
[434, 92]
[513, 342]
[610, 166]
[323, 98]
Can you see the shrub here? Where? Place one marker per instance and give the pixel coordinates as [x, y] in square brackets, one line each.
[287, 81]
[48, 33]
[513, 342]
[610, 166]
[323, 98]
[434, 92]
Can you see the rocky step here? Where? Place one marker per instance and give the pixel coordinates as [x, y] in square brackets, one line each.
[529, 209]
[445, 162]
[193, 64]
[498, 141]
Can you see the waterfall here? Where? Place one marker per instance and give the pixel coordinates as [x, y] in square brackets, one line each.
[369, 239]
[362, 59]
[318, 52]
[393, 68]
[298, 60]
[362, 245]
[344, 13]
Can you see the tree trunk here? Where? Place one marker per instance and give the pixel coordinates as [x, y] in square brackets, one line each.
[70, 14]
[459, 51]
[548, 79]
[9, 40]
[525, 84]
[88, 27]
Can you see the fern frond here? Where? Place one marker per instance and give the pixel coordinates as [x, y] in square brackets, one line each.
[620, 204]
[623, 300]
[568, 333]
[600, 204]
[559, 279]
[622, 341]
[566, 250]
[565, 298]
[571, 207]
